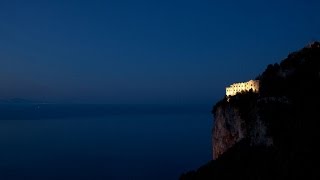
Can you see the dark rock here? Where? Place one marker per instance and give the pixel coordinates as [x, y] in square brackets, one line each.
[272, 134]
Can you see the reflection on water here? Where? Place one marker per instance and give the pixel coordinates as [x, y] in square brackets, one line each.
[102, 142]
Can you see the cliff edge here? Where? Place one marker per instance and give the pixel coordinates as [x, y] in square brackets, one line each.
[272, 134]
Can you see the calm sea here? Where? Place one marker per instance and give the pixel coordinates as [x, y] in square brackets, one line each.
[102, 142]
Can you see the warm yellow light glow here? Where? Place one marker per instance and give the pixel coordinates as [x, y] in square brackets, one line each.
[235, 88]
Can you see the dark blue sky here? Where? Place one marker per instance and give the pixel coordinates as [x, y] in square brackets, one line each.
[142, 51]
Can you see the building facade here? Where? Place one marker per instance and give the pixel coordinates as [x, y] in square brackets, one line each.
[235, 88]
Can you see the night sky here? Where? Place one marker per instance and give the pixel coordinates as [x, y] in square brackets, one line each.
[143, 51]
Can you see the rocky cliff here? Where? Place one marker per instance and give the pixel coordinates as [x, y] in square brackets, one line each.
[228, 129]
[238, 119]
[272, 134]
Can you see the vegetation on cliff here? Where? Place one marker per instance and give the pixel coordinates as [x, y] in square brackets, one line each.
[288, 105]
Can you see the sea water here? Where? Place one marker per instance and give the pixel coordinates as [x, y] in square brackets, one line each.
[102, 142]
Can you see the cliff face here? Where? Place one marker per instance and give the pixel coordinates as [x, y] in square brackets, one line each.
[272, 134]
[236, 120]
[285, 89]
[228, 129]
